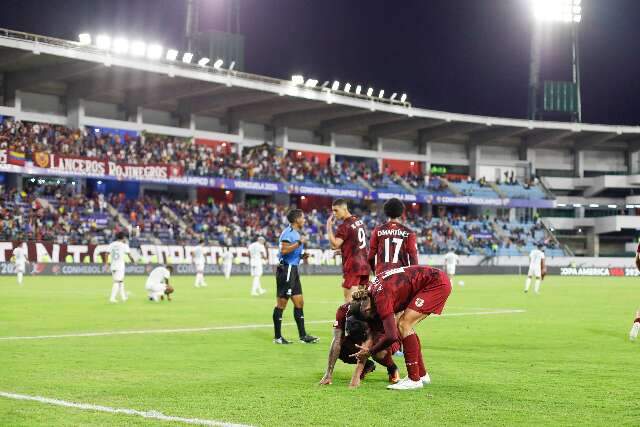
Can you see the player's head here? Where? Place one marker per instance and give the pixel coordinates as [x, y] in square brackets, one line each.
[361, 306]
[296, 217]
[356, 329]
[541, 248]
[340, 209]
[201, 241]
[261, 240]
[170, 268]
[121, 235]
[393, 208]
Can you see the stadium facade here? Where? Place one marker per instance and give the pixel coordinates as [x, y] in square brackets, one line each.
[579, 180]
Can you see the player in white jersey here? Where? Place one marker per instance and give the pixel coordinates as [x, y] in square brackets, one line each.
[157, 285]
[451, 260]
[198, 261]
[118, 250]
[227, 262]
[635, 328]
[20, 261]
[257, 257]
[537, 269]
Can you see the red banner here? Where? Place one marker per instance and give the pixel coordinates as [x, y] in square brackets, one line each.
[94, 166]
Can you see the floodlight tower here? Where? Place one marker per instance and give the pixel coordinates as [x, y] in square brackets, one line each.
[566, 12]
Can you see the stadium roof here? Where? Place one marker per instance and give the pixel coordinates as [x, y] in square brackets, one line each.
[53, 66]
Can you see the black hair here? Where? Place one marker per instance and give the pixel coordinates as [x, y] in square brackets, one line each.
[340, 202]
[120, 236]
[356, 329]
[170, 268]
[393, 208]
[293, 215]
[201, 241]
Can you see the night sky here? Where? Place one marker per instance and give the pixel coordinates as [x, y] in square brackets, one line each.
[467, 56]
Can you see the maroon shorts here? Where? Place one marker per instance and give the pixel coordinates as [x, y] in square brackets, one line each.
[432, 299]
[353, 281]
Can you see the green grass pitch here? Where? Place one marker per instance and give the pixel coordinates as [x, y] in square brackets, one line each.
[566, 360]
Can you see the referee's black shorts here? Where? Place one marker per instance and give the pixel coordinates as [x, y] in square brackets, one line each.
[288, 281]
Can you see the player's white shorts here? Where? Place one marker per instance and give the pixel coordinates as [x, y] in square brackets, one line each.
[534, 271]
[155, 287]
[20, 268]
[117, 275]
[256, 270]
[451, 270]
[200, 267]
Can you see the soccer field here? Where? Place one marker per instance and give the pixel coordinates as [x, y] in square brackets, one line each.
[497, 356]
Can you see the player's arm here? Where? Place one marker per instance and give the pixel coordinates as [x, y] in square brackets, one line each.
[334, 242]
[373, 251]
[334, 352]
[357, 372]
[389, 337]
[412, 249]
[543, 268]
[288, 247]
[638, 260]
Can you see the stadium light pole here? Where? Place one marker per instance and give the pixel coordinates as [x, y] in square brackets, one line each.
[554, 11]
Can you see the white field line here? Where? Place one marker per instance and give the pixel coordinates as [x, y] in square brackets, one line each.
[145, 414]
[221, 328]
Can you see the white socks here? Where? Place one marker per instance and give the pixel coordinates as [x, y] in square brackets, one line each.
[114, 291]
[19, 278]
[537, 286]
[256, 289]
[527, 284]
[123, 294]
[199, 280]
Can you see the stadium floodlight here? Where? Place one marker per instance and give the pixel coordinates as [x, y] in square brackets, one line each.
[120, 45]
[187, 57]
[629, 206]
[561, 205]
[218, 64]
[172, 55]
[403, 98]
[370, 91]
[325, 84]
[203, 62]
[103, 42]
[358, 89]
[393, 96]
[84, 39]
[232, 65]
[347, 87]
[138, 48]
[311, 83]
[612, 206]
[381, 93]
[154, 51]
[594, 205]
[558, 10]
[335, 85]
[297, 79]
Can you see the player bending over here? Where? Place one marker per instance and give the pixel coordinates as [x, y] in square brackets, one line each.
[351, 241]
[117, 251]
[198, 262]
[636, 323]
[20, 261]
[393, 245]
[257, 258]
[416, 291]
[348, 332]
[537, 269]
[157, 285]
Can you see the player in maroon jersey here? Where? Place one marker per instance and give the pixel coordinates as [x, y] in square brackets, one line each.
[635, 328]
[351, 240]
[392, 244]
[349, 332]
[417, 291]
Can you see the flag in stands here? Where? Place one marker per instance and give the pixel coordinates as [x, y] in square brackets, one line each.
[16, 158]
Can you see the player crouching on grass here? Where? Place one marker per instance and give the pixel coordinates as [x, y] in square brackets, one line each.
[348, 332]
[157, 285]
[417, 292]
